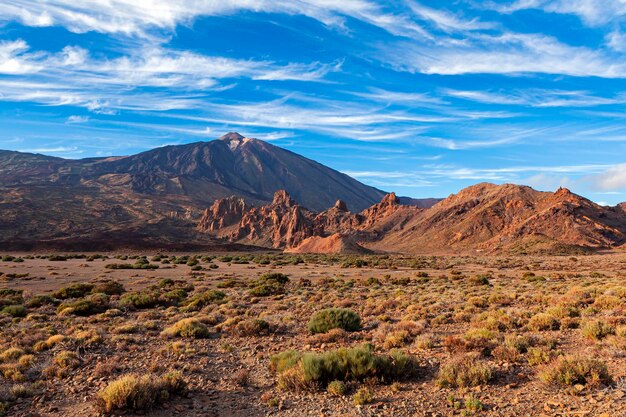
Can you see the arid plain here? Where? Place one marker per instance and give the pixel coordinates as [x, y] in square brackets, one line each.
[335, 335]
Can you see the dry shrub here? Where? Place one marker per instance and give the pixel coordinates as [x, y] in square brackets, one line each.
[133, 392]
[543, 322]
[573, 370]
[189, 327]
[464, 371]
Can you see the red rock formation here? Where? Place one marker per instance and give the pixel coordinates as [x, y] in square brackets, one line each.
[223, 213]
[481, 217]
[280, 224]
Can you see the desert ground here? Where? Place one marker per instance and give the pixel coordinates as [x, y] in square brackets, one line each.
[312, 335]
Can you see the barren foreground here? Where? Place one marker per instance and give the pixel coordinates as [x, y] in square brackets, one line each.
[242, 335]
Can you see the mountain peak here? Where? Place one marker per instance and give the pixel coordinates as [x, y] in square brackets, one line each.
[234, 140]
[231, 136]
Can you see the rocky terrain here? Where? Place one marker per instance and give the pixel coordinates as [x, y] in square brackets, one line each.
[485, 217]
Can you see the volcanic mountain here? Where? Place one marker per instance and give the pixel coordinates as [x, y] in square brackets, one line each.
[484, 217]
[158, 194]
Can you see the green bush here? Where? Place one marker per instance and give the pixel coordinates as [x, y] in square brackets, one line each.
[94, 304]
[139, 300]
[271, 283]
[480, 280]
[16, 310]
[73, 291]
[334, 318]
[597, 330]
[344, 364]
[108, 287]
[337, 388]
[543, 322]
[363, 396]
[284, 360]
[9, 296]
[41, 300]
[140, 264]
[253, 327]
[200, 300]
[464, 371]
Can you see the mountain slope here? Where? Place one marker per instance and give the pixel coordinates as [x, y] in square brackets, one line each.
[201, 171]
[47, 198]
[491, 217]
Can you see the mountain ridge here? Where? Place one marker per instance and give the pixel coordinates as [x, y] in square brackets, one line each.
[483, 217]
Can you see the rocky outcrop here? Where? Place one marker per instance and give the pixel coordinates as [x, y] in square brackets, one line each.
[223, 213]
[286, 224]
[283, 223]
[388, 205]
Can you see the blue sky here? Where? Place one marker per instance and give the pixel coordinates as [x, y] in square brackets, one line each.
[418, 97]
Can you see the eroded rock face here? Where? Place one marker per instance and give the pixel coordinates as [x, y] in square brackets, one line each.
[282, 223]
[285, 224]
[388, 205]
[223, 213]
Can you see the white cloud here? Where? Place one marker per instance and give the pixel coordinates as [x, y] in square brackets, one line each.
[77, 119]
[446, 21]
[132, 17]
[544, 176]
[616, 40]
[591, 12]
[506, 53]
[395, 97]
[537, 98]
[60, 150]
[73, 77]
[14, 59]
[612, 179]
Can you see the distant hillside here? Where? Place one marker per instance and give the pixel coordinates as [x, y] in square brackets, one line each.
[484, 217]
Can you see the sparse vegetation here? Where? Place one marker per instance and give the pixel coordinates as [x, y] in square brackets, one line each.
[334, 318]
[451, 332]
[189, 327]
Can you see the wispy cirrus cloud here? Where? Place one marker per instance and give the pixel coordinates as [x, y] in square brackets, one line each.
[72, 77]
[592, 12]
[507, 53]
[129, 17]
[537, 97]
[432, 174]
